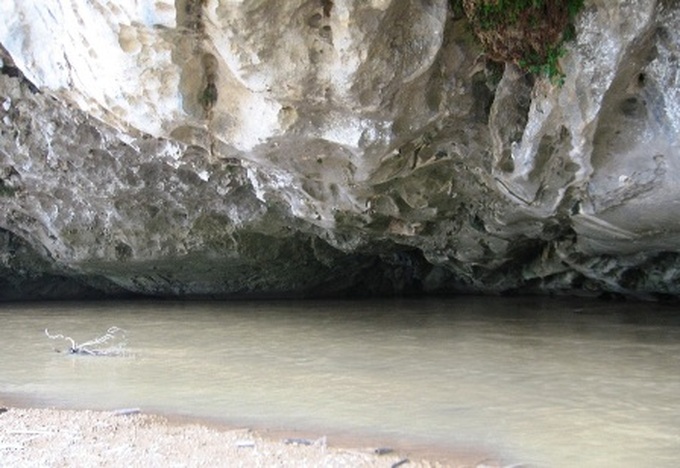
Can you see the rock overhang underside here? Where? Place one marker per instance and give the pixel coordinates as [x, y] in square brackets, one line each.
[332, 148]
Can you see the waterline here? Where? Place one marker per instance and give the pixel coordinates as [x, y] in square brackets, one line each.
[547, 382]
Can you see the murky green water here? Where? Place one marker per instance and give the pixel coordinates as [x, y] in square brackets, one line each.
[544, 382]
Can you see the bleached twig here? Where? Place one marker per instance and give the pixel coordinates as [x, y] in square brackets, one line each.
[87, 348]
[110, 334]
[59, 336]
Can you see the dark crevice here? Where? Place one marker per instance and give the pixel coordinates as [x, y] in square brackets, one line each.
[327, 7]
[26, 274]
[10, 69]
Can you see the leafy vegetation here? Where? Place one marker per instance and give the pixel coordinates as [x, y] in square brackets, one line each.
[530, 33]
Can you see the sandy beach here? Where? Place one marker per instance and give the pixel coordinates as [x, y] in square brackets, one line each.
[60, 438]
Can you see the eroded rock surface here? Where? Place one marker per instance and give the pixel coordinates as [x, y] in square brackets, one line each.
[201, 147]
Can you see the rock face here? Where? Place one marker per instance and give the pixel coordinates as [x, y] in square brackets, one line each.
[318, 147]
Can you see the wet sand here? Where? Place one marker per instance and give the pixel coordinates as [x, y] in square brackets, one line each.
[60, 438]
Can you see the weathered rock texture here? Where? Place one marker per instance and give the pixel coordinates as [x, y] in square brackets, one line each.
[205, 147]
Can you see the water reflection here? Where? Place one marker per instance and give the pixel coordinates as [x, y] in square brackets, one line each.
[547, 382]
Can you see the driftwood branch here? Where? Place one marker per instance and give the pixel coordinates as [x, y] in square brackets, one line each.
[93, 347]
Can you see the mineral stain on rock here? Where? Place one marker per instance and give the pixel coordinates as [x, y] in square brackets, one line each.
[209, 94]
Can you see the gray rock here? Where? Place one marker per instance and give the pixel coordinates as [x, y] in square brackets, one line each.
[346, 148]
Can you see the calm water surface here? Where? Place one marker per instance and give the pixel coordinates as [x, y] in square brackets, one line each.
[543, 382]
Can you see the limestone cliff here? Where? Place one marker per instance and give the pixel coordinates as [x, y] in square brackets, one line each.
[319, 147]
